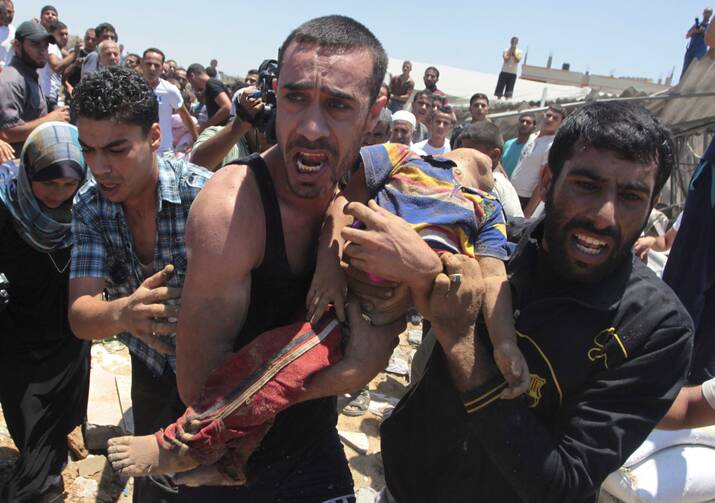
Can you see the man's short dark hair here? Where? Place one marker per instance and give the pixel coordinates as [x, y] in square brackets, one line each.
[211, 71]
[422, 93]
[154, 50]
[478, 96]
[483, 133]
[116, 93]
[46, 8]
[555, 107]
[528, 114]
[252, 70]
[56, 25]
[102, 27]
[195, 69]
[628, 130]
[342, 34]
[433, 68]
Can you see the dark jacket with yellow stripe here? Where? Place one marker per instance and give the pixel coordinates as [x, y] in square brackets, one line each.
[606, 361]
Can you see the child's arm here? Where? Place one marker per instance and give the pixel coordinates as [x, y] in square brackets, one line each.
[329, 285]
[497, 311]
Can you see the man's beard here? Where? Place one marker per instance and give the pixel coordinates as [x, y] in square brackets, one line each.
[557, 231]
[28, 61]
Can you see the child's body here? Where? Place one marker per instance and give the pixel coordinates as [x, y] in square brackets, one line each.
[266, 376]
[432, 195]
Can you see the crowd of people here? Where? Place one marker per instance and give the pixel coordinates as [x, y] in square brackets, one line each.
[258, 249]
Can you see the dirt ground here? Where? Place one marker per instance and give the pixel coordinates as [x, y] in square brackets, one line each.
[92, 479]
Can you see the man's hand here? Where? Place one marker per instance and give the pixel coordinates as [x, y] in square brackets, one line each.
[146, 317]
[367, 353]
[6, 152]
[250, 104]
[61, 114]
[642, 246]
[456, 298]
[388, 247]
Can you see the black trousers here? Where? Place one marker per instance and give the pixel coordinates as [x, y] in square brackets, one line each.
[505, 85]
[155, 404]
[44, 397]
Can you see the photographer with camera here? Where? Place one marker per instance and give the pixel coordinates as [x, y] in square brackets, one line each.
[44, 368]
[697, 47]
[254, 109]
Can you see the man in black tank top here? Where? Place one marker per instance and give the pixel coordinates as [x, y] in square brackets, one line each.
[252, 238]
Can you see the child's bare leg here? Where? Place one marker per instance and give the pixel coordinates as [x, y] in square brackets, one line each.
[497, 310]
[142, 456]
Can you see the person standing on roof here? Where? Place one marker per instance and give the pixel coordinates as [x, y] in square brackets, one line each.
[697, 47]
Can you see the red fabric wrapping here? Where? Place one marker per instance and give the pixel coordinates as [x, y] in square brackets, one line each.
[212, 432]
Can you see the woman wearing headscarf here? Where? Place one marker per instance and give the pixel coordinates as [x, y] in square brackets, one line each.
[44, 369]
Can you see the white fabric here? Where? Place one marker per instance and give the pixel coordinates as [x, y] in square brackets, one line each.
[424, 148]
[533, 157]
[7, 34]
[670, 466]
[708, 389]
[507, 195]
[169, 98]
[676, 224]
[51, 81]
[510, 66]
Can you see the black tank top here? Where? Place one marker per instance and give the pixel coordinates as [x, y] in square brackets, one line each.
[277, 299]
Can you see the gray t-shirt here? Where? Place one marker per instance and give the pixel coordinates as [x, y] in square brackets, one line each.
[21, 99]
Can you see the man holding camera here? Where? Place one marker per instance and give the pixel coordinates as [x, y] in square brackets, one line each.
[697, 47]
[261, 222]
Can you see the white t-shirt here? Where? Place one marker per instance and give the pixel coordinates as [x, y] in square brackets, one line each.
[534, 156]
[424, 148]
[676, 224]
[7, 34]
[51, 81]
[708, 388]
[169, 98]
[508, 197]
[510, 65]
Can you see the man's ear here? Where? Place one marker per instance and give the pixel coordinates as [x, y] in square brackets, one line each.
[374, 113]
[495, 155]
[546, 178]
[155, 136]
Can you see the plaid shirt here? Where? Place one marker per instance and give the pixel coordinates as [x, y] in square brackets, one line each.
[103, 246]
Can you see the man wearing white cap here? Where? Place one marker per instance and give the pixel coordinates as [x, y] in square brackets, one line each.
[403, 125]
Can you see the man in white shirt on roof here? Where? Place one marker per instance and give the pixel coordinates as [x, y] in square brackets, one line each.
[440, 126]
[168, 96]
[534, 157]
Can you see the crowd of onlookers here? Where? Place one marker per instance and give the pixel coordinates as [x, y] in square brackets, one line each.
[107, 256]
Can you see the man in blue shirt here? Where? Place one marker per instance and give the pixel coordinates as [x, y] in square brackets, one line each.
[512, 148]
[129, 253]
[697, 47]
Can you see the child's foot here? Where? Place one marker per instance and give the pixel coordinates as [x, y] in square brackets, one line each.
[208, 475]
[142, 456]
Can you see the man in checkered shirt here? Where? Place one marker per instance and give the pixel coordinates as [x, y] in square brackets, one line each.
[128, 256]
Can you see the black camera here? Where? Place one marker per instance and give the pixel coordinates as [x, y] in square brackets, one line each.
[265, 120]
[4, 295]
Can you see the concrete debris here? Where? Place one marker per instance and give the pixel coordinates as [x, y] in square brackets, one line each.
[84, 488]
[356, 441]
[91, 466]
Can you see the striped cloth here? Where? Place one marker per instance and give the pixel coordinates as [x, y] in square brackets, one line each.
[423, 191]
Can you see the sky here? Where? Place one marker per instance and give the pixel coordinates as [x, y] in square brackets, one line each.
[634, 38]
